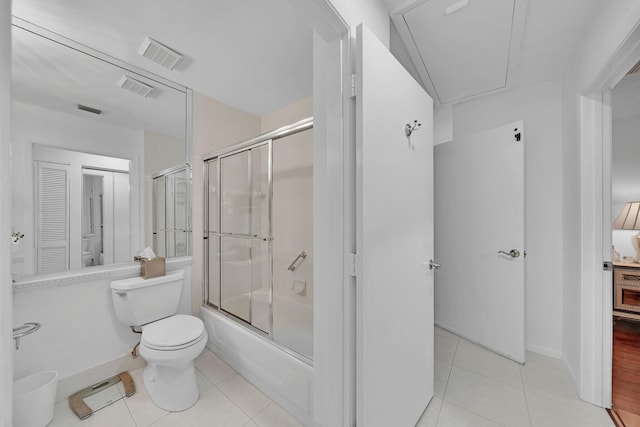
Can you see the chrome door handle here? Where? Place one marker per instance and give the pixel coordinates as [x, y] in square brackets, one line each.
[513, 253]
[432, 264]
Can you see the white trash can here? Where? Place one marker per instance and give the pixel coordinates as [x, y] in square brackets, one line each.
[34, 399]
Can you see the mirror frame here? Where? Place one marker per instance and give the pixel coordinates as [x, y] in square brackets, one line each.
[113, 271]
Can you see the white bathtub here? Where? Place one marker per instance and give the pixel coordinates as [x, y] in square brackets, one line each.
[292, 319]
[286, 379]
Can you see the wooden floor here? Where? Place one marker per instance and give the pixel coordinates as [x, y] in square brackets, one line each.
[626, 373]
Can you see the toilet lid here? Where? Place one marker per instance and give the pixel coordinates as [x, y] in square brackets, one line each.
[174, 331]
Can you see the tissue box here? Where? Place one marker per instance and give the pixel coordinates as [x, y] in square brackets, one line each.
[150, 268]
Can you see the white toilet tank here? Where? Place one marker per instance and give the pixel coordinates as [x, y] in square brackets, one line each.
[138, 301]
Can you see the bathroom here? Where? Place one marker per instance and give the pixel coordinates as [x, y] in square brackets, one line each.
[88, 335]
[127, 190]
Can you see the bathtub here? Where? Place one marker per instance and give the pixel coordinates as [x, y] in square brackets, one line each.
[285, 378]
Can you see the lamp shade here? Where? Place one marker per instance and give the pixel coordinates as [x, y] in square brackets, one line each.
[629, 217]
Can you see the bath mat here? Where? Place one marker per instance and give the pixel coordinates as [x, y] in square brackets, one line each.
[100, 395]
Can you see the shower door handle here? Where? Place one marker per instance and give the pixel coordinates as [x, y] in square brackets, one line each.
[302, 255]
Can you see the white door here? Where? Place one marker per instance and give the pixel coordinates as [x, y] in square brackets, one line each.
[479, 239]
[394, 239]
[52, 210]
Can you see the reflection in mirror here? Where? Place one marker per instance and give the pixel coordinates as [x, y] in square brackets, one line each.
[84, 204]
[171, 213]
[69, 204]
[106, 228]
[92, 214]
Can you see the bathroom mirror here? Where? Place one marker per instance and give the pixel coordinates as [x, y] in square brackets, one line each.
[89, 138]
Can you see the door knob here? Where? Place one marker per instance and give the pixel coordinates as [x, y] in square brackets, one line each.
[432, 264]
[513, 253]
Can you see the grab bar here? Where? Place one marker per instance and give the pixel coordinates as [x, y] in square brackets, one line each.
[302, 255]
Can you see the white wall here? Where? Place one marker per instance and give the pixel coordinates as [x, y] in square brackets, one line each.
[540, 108]
[295, 112]
[31, 125]
[162, 152]
[374, 13]
[79, 327]
[6, 306]
[399, 50]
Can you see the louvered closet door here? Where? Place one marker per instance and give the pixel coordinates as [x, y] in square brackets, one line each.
[52, 210]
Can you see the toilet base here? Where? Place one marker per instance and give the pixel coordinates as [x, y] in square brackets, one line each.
[171, 388]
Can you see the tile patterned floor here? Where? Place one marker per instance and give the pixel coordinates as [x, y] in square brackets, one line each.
[476, 388]
[473, 387]
[226, 400]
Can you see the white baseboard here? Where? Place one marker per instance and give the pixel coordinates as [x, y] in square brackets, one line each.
[572, 375]
[546, 351]
[73, 383]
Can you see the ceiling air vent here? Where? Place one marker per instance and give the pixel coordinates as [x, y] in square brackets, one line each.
[135, 86]
[159, 53]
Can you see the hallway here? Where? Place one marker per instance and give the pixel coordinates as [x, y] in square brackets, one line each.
[475, 387]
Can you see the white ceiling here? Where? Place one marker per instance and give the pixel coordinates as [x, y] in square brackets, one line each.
[256, 55]
[251, 54]
[465, 53]
[50, 75]
[473, 41]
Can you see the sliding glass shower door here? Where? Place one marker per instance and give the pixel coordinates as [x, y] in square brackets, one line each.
[240, 234]
[259, 236]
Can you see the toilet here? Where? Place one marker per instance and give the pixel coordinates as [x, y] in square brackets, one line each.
[170, 342]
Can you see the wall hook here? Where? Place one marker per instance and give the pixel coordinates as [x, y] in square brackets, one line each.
[408, 128]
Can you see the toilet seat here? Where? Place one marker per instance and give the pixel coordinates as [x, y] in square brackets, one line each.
[173, 333]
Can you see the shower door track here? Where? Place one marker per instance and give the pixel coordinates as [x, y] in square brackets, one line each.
[282, 132]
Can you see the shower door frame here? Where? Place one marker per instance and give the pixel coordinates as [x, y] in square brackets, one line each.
[263, 139]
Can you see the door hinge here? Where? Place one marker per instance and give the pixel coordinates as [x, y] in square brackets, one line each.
[353, 86]
[351, 264]
[607, 266]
